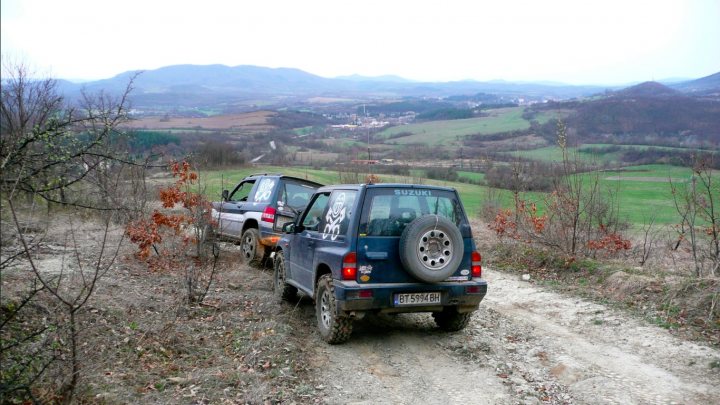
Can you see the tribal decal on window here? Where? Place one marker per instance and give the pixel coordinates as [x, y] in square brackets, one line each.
[334, 217]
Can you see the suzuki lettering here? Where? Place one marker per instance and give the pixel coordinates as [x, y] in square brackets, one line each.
[419, 193]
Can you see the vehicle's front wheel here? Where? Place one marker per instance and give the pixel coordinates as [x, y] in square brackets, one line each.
[451, 320]
[282, 290]
[333, 329]
[250, 245]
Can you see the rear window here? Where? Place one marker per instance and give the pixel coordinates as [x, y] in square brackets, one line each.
[390, 210]
[296, 195]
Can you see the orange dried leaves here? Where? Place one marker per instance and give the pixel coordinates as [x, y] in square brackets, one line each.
[148, 232]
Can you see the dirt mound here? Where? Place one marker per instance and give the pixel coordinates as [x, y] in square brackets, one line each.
[622, 285]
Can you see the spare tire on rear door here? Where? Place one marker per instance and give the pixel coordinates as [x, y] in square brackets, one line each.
[431, 248]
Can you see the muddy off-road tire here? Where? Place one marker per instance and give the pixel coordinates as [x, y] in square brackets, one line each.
[333, 329]
[451, 320]
[250, 246]
[431, 248]
[281, 290]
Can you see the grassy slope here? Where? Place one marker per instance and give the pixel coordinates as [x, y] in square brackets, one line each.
[644, 191]
[553, 153]
[442, 132]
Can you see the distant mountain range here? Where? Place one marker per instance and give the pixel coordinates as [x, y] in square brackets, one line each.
[216, 85]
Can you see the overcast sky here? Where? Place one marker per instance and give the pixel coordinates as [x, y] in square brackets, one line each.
[570, 41]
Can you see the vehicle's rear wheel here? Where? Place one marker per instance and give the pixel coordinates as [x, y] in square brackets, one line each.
[431, 248]
[451, 320]
[282, 290]
[208, 233]
[209, 242]
[250, 245]
[333, 329]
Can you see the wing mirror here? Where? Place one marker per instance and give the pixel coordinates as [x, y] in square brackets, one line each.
[289, 227]
[225, 195]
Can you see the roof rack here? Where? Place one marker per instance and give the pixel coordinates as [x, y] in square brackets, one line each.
[264, 174]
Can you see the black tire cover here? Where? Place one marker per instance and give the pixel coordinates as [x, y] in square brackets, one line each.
[431, 248]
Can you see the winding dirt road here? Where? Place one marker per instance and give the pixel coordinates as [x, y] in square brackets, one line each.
[525, 345]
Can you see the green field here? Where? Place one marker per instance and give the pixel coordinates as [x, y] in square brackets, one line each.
[474, 176]
[447, 131]
[304, 131]
[554, 154]
[643, 191]
[543, 117]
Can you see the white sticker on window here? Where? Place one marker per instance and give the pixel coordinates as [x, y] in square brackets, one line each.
[264, 190]
[334, 217]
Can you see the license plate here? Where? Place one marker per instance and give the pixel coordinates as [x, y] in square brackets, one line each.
[282, 220]
[423, 298]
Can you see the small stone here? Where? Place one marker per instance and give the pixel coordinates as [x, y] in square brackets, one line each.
[526, 277]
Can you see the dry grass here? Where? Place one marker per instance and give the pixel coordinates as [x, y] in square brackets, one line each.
[141, 344]
[664, 291]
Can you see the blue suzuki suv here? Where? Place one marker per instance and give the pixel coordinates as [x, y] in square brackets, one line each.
[382, 248]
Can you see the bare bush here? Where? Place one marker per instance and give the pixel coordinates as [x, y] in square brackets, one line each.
[579, 217]
[696, 204]
[66, 156]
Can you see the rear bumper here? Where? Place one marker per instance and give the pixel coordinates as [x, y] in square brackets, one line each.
[268, 237]
[465, 296]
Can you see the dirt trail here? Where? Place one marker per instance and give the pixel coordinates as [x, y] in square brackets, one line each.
[404, 365]
[526, 345]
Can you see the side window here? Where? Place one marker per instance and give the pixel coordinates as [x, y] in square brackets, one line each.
[313, 215]
[264, 190]
[335, 222]
[242, 191]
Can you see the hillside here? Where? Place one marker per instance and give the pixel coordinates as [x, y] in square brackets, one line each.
[649, 113]
[647, 90]
[709, 85]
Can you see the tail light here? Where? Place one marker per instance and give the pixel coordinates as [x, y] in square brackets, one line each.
[349, 266]
[476, 268]
[268, 215]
